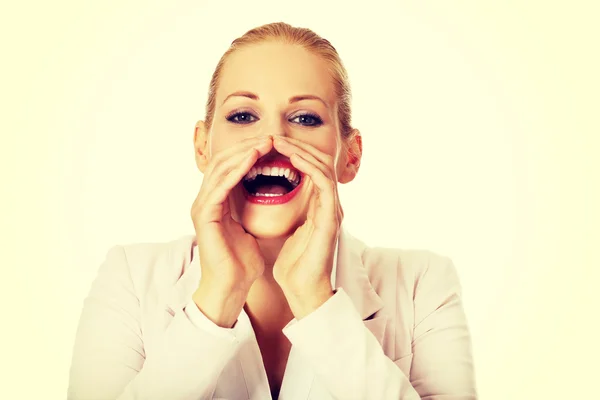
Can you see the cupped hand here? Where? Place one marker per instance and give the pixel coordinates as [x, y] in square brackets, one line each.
[230, 258]
[304, 265]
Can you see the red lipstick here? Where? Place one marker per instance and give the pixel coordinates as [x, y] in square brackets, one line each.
[274, 200]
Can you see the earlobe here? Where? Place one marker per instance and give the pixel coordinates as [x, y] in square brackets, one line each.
[353, 150]
[200, 145]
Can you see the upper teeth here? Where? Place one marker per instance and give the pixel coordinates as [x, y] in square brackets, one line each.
[291, 175]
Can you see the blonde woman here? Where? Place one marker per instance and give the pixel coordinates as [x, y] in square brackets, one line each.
[271, 298]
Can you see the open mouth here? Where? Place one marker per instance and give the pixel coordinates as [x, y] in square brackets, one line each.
[272, 183]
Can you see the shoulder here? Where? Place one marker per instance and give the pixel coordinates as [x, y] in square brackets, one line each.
[154, 263]
[420, 267]
[423, 276]
[413, 283]
[178, 249]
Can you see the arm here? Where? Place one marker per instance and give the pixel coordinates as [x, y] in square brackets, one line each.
[442, 365]
[350, 362]
[109, 361]
[345, 355]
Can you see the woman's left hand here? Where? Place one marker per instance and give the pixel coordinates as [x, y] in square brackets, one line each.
[303, 268]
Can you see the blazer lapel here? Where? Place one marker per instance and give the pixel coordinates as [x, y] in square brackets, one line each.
[180, 293]
[349, 272]
[352, 276]
[241, 377]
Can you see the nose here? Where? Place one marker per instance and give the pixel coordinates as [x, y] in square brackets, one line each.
[275, 127]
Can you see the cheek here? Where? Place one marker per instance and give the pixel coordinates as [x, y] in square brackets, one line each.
[219, 142]
[324, 141]
[222, 138]
[224, 135]
[332, 146]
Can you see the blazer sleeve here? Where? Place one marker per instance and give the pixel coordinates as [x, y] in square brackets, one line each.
[350, 362]
[442, 364]
[109, 361]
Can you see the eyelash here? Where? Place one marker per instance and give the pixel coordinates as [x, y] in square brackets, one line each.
[318, 120]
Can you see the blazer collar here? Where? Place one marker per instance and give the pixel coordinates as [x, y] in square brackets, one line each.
[352, 275]
[348, 272]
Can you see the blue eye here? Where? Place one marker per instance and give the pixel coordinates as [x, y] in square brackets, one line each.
[241, 118]
[308, 120]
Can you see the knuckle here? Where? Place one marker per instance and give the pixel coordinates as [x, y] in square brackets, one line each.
[222, 169]
[210, 168]
[195, 206]
[219, 158]
[201, 217]
[195, 211]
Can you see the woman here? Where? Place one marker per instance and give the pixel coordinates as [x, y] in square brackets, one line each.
[271, 298]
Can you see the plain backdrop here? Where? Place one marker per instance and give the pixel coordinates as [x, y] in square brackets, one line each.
[480, 131]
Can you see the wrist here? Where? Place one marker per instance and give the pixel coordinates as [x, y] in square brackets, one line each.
[308, 300]
[222, 305]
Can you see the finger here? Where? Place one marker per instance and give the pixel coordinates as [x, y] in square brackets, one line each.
[212, 205]
[312, 150]
[234, 168]
[324, 186]
[339, 215]
[290, 143]
[312, 208]
[219, 193]
[237, 148]
[226, 165]
[215, 177]
[288, 148]
[221, 159]
[211, 180]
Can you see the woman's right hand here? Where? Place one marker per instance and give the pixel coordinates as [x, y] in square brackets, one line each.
[230, 258]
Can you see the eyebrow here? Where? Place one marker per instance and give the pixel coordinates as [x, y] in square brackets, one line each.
[291, 100]
[249, 95]
[307, 97]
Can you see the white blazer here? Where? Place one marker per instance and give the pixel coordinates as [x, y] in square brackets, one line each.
[395, 329]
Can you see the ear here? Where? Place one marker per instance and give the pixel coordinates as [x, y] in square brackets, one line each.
[201, 145]
[352, 154]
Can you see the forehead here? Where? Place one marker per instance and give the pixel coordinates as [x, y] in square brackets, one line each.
[276, 70]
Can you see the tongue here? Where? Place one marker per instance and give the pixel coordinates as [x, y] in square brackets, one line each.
[271, 189]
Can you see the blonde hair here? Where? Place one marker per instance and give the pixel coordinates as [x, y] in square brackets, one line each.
[292, 35]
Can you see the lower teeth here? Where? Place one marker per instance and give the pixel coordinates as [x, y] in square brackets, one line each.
[266, 194]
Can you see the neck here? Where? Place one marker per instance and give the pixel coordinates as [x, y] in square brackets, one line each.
[266, 304]
[270, 249]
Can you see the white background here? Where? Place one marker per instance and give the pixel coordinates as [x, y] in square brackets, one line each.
[480, 131]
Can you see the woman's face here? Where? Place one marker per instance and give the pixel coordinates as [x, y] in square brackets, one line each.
[274, 88]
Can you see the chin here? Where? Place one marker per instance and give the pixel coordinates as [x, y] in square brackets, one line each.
[269, 221]
[264, 227]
